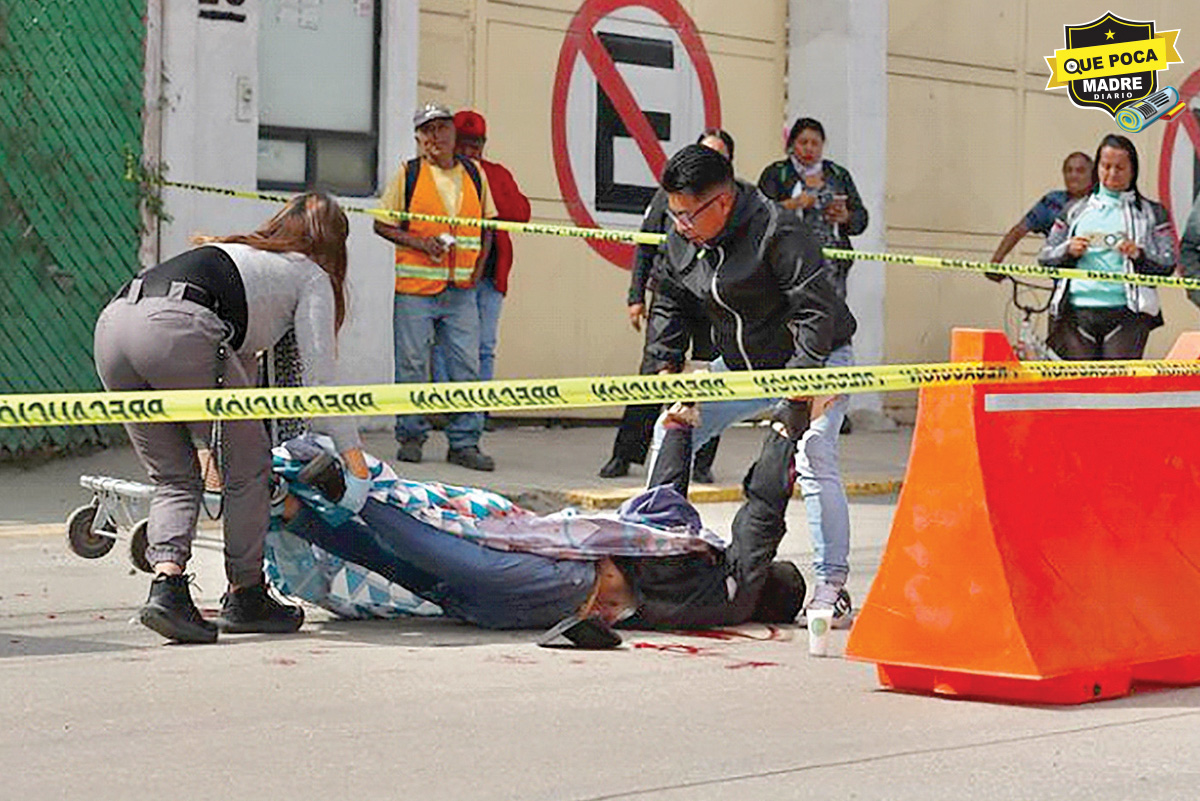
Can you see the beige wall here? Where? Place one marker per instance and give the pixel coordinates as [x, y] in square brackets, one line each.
[974, 139]
[565, 313]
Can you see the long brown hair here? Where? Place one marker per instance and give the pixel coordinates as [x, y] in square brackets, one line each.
[313, 224]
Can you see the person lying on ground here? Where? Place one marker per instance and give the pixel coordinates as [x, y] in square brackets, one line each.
[494, 565]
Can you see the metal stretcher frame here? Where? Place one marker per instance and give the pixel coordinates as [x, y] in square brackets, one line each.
[118, 509]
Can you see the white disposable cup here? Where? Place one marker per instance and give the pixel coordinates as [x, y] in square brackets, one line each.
[820, 623]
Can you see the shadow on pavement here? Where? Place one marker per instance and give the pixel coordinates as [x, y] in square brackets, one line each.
[417, 632]
[21, 645]
[1183, 699]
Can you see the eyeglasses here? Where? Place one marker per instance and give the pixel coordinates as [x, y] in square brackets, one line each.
[687, 219]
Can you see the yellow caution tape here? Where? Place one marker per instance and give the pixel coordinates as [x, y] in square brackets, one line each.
[93, 408]
[644, 238]
[1035, 270]
[606, 234]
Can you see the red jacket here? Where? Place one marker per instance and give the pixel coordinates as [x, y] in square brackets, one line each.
[512, 205]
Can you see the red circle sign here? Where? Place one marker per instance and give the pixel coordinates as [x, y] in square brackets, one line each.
[1191, 128]
[581, 39]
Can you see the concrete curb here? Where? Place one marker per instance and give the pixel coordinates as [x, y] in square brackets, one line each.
[33, 529]
[612, 498]
[15, 529]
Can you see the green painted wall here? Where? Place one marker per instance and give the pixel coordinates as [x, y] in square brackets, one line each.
[70, 112]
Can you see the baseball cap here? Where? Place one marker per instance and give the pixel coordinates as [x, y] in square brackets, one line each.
[470, 123]
[430, 112]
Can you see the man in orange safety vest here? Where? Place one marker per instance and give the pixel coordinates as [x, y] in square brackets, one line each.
[437, 267]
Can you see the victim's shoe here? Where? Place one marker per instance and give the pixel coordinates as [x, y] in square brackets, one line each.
[170, 612]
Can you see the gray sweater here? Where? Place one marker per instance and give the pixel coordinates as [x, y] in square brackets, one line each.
[288, 290]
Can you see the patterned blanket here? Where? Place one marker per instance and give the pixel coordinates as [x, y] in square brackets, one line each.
[306, 571]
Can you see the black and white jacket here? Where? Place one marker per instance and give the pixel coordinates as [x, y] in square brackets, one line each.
[1146, 224]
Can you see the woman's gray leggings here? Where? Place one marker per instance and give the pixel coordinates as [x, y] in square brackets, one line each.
[169, 343]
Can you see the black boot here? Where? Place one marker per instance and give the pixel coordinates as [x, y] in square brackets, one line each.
[471, 458]
[615, 468]
[169, 611]
[702, 468]
[252, 610]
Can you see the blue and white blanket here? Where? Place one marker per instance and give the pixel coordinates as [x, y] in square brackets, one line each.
[659, 522]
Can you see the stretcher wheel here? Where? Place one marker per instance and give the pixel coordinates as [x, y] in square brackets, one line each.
[81, 536]
[138, 542]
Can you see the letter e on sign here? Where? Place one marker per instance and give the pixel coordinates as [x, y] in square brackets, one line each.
[634, 85]
[1179, 162]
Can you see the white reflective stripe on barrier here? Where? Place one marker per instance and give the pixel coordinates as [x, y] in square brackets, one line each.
[1085, 401]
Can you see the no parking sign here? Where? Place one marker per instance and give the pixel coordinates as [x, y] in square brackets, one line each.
[634, 84]
[1179, 162]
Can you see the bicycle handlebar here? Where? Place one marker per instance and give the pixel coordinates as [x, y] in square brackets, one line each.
[1017, 284]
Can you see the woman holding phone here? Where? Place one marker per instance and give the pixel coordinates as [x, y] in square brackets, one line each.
[1112, 230]
[820, 191]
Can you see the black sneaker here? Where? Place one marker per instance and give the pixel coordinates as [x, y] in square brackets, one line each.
[252, 610]
[169, 611]
[615, 468]
[471, 458]
[409, 451]
[831, 596]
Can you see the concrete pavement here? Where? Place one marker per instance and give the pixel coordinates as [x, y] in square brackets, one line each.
[542, 467]
[96, 707]
[426, 709]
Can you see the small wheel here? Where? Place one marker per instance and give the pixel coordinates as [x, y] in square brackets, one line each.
[138, 543]
[81, 536]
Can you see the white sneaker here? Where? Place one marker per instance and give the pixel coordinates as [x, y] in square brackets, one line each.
[830, 596]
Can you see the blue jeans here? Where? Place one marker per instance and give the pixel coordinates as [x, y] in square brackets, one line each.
[820, 475]
[490, 300]
[489, 588]
[450, 319]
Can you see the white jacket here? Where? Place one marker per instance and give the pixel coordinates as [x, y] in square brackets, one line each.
[1146, 224]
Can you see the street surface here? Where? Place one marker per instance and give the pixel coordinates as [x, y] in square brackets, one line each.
[96, 707]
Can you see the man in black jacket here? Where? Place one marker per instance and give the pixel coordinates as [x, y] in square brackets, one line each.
[758, 272]
[637, 423]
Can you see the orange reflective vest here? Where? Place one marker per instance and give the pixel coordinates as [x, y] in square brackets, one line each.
[416, 272]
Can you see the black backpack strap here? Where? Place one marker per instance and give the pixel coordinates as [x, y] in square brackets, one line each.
[473, 171]
[412, 171]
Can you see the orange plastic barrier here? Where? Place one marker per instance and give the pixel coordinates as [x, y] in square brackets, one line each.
[1046, 544]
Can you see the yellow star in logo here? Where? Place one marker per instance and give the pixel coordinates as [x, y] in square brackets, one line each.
[1108, 35]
